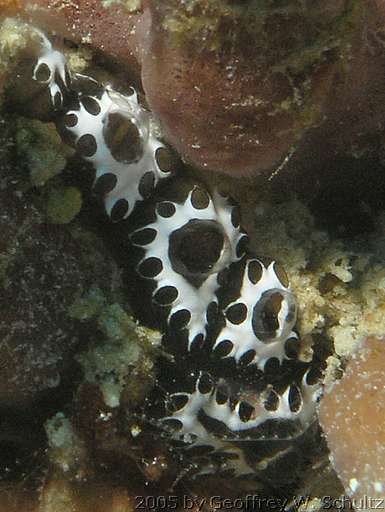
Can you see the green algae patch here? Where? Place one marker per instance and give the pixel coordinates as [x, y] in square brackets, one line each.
[44, 156]
[89, 306]
[63, 204]
[262, 25]
[40, 147]
[122, 364]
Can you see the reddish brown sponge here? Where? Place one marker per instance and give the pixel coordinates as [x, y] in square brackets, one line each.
[239, 85]
[223, 88]
[352, 417]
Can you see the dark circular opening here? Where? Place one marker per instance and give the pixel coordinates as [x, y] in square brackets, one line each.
[123, 139]
[91, 105]
[265, 315]
[43, 73]
[196, 247]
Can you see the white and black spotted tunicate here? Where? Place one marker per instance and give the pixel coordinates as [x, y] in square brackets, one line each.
[116, 135]
[185, 249]
[193, 253]
[38, 80]
[210, 421]
[51, 70]
[259, 323]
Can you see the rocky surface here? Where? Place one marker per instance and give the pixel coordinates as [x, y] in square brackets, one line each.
[351, 416]
[43, 270]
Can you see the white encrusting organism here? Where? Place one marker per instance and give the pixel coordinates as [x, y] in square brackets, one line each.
[50, 66]
[188, 295]
[262, 318]
[91, 125]
[190, 429]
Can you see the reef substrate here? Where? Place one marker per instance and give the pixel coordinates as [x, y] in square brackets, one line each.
[91, 367]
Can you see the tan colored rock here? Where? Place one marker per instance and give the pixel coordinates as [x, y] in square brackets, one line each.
[352, 415]
[60, 495]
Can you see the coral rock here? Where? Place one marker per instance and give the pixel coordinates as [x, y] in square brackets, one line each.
[42, 269]
[352, 418]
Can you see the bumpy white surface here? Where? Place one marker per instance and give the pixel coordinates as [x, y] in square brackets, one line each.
[56, 63]
[195, 300]
[128, 175]
[242, 335]
[194, 434]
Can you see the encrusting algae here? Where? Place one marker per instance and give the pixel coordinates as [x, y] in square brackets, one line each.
[217, 25]
[40, 147]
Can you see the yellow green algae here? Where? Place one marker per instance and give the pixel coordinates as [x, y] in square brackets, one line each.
[40, 147]
[42, 151]
[124, 360]
[63, 204]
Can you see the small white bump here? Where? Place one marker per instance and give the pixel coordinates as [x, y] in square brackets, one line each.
[354, 484]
